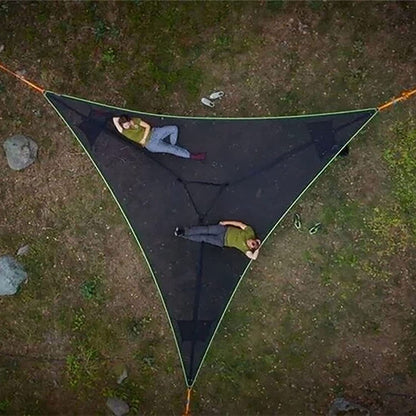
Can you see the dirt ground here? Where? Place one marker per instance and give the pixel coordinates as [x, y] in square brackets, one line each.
[317, 317]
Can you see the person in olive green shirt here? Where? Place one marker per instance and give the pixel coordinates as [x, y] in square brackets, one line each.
[234, 234]
[153, 138]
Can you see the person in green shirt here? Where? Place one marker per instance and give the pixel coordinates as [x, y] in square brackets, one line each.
[153, 138]
[234, 234]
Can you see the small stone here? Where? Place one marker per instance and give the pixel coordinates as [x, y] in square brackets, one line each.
[21, 72]
[1, 48]
[340, 406]
[21, 151]
[117, 406]
[23, 250]
[12, 274]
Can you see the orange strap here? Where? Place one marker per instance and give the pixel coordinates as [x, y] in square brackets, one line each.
[403, 96]
[22, 78]
[188, 402]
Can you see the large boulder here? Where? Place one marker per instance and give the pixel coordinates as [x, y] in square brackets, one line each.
[12, 275]
[20, 151]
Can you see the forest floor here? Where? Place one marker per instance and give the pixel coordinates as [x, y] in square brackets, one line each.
[317, 317]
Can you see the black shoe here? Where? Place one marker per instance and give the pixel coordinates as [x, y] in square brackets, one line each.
[179, 232]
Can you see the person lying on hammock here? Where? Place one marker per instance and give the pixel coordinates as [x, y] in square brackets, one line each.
[153, 138]
[225, 234]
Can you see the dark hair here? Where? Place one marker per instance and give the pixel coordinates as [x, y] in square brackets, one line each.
[258, 243]
[124, 119]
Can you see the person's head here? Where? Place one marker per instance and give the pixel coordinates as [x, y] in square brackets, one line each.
[124, 121]
[253, 244]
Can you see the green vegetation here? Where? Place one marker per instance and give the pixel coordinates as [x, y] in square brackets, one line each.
[79, 320]
[137, 327]
[90, 289]
[4, 405]
[109, 56]
[82, 368]
[317, 316]
[400, 158]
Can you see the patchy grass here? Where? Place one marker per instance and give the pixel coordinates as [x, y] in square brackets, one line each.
[82, 368]
[318, 316]
[401, 161]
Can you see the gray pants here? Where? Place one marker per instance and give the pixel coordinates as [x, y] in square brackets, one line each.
[157, 144]
[211, 234]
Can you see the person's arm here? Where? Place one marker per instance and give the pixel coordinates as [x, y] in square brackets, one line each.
[237, 224]
[251, 255]
[146, 129]
[117, 125]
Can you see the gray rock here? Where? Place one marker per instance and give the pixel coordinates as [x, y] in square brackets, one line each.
[340, 406]
[20, 151]
[23, 250]
[1, 48]
[12, 275]
[117, 406]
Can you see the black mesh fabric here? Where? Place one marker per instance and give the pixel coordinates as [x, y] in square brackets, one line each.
[254, 171]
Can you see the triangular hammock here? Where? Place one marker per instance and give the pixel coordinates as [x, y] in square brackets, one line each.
[256, 170]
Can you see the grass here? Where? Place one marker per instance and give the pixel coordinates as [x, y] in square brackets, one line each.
[82, 368]
[275, 5]
[4, 405]
[136, 327]
[401, 161]
[90, 289]
[108, 57]
[310, 309]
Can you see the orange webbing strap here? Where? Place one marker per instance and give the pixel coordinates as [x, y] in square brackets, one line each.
[188, 402]
[31, 84]
[403, 96]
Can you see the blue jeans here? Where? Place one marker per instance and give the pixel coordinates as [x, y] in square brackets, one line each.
[157, 144]
[211, 234]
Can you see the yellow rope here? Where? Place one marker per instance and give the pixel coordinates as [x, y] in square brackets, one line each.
[403, 96]
[31, 84]
[188, 402]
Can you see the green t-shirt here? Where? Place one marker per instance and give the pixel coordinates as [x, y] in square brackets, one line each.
[236, 237]
[136, 134]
